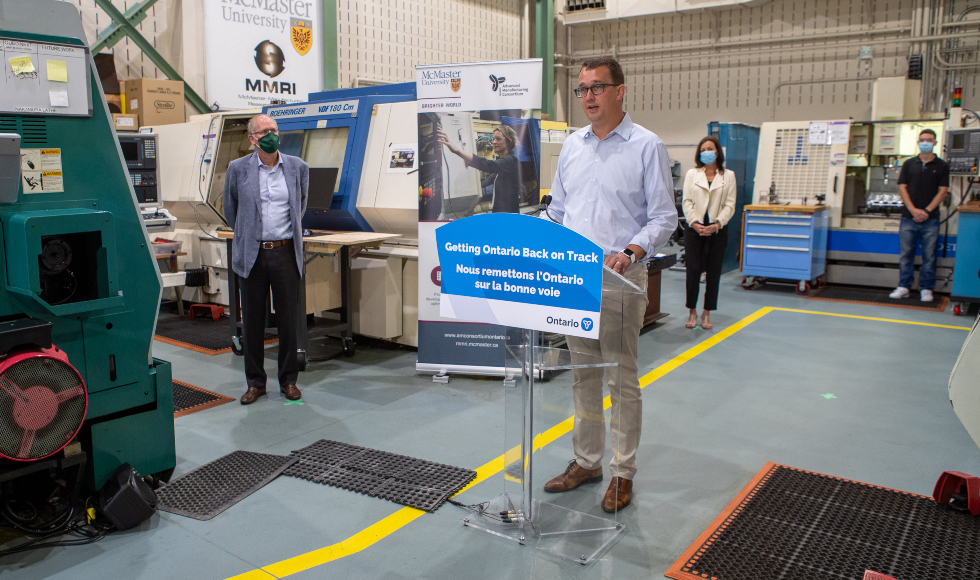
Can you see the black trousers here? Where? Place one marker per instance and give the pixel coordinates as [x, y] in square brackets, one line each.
[275, 269]
[704, 254]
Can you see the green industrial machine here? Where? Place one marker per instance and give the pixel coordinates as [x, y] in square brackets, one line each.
[76, 263]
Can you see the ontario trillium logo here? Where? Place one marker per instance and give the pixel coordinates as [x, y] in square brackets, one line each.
[587, 324]
[497, 81]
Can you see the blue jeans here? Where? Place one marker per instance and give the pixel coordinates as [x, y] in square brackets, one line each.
[910, 234]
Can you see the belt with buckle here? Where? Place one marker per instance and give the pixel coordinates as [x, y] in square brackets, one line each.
[270, 245]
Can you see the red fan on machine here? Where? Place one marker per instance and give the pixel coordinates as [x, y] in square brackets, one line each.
[43, 401]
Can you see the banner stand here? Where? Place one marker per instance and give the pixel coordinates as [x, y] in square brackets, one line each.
[478, 154]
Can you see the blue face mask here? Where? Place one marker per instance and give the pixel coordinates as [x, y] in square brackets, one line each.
[925, 147]
[708, 157]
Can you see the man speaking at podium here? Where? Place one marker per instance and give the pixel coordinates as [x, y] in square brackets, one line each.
[613, 186]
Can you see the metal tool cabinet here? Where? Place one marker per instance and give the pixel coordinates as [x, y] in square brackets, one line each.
[787, 242]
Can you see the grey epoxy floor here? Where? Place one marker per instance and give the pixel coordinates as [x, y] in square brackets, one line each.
[709, 426]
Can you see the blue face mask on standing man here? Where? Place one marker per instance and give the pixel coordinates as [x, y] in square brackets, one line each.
[924, 146]
[708, 157]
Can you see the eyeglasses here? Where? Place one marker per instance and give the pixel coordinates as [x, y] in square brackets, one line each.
[596, 89]
[262, 134]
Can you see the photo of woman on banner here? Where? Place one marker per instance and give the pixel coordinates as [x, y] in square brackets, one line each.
[501, 149]
[505, 170]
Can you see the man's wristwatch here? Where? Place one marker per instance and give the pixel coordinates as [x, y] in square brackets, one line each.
[629, 254]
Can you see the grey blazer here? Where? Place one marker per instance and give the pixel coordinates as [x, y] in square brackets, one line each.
[243, 207]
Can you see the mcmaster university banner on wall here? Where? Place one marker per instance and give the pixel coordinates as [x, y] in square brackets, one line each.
[479, 152]
[259, 51]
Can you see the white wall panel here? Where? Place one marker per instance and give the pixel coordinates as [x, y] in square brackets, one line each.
[750, 64]
[383, 40]
[131, 63]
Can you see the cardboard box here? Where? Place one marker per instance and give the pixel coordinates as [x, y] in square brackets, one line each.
[115, 102]
[125, 122]
[155, 102]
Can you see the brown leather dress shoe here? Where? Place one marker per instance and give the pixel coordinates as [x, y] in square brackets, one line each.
[619, 494]
[252, 395]
[573, 477]
[291, 392]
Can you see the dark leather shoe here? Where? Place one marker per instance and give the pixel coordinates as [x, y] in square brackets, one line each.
[573, 477]
[252, 395]
[619, 494]
[291, 392]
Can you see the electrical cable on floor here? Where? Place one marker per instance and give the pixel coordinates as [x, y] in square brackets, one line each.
[480, 509]
[85, 531]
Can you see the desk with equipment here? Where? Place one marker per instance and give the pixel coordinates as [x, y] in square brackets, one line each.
[318, 245]
[359, 145]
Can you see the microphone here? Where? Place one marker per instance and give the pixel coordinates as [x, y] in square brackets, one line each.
[545, 202]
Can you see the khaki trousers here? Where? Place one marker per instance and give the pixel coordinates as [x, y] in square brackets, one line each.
[621, 319]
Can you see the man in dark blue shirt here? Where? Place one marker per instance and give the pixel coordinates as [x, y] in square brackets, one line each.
[923, 184]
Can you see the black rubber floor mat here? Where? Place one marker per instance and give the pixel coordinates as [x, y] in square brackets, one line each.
[794, 524]
[199, 334]
[406, 480]
[877, 297]
[214, 487]
[191, 399]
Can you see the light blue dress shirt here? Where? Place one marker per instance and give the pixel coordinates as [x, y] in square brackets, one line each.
[615, 191]
[274, 194]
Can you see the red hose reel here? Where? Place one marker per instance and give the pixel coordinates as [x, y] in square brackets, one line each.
[43, 402]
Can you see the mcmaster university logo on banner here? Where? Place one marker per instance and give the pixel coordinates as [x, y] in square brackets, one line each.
[259, 52]
[302, 35]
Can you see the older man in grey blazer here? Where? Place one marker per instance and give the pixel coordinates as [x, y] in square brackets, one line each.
[265, 199]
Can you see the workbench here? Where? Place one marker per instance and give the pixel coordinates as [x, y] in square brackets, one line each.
[319, 244]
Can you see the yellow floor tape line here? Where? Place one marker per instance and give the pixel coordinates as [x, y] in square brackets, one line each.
[385, 527]
[872, 318]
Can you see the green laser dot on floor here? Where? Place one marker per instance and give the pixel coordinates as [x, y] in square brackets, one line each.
[829, 396]
[294, 403]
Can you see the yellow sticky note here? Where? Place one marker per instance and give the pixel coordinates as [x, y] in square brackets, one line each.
[58, 71]
[21, 65]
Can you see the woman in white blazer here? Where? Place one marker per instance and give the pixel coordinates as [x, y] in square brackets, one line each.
[708, 202]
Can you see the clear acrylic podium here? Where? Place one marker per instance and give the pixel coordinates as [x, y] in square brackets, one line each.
[540, 411]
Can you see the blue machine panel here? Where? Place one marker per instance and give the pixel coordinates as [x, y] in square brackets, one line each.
[966, 272]
[865, 242]
[740, 144]
[336, 111]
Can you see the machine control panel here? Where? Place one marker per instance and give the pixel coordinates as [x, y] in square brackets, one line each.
[963, 151]
[140, 152]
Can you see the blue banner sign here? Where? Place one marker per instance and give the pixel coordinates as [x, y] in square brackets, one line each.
[520, 271]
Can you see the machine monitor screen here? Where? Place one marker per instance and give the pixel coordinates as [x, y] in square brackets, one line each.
[323, 182]
[959, 141]
[131, 150]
